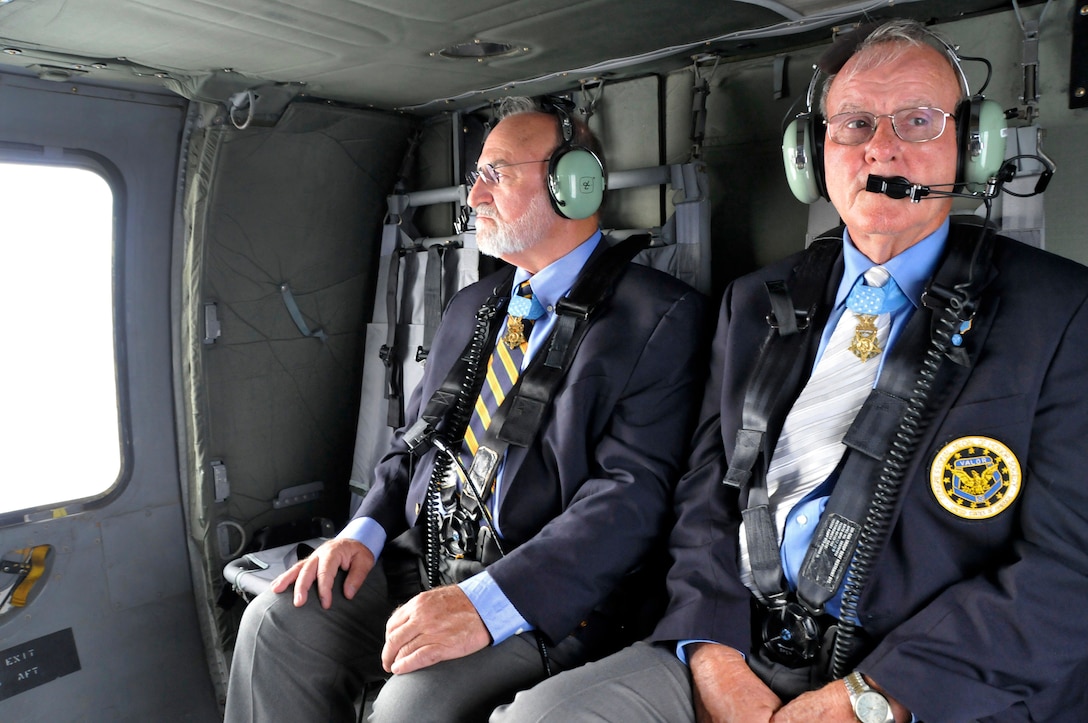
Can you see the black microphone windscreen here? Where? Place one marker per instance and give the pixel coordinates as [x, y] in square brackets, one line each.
[897, 187]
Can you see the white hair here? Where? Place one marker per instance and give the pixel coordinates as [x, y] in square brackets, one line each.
[888, 42]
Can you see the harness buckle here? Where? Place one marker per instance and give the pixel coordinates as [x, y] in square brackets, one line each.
[801, 320]
[566, 307]
[791, 634]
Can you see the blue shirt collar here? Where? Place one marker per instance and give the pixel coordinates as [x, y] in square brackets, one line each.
[911, 269]
[554, 280]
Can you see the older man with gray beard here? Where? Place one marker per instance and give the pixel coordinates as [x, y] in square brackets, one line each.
[480, 563]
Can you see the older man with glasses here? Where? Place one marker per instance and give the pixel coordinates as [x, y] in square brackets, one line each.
[482, 561]
[885, 516]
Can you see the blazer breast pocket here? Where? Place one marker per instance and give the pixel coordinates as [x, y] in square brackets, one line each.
[1005, 416]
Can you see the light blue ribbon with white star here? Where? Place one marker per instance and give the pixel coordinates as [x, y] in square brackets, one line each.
[525, 308]
[875, 299]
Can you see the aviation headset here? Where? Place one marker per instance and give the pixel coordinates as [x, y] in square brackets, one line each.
[980, 128]
[576, 178]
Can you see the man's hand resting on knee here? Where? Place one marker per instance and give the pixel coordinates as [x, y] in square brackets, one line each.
[322, 565]
[440, 624]
[725, 688]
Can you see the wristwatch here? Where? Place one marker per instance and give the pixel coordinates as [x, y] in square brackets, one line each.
[869, 705]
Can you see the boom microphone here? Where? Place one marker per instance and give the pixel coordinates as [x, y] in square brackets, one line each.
[899, 187]
[896, 187]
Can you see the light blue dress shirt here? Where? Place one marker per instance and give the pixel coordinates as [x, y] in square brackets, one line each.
[549, 285]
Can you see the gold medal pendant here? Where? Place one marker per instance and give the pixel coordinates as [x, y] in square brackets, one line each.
[515, 333]
[865, 345]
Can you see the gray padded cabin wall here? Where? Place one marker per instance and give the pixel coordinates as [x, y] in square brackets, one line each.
[754, 217]
[431, 168]
[300, 203]
[626, 121]
[627, 118]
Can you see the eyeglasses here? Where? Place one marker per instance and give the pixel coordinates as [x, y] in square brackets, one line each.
[490, 174]
[914, 125]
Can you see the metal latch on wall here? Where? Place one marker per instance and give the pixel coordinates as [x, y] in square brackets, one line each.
[29, 570]
[212, 329]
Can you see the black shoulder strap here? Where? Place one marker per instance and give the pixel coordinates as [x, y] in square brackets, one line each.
[518, 419]
[957, 285]
[432, 299]
[775, 380]
[453, 388]
[796, 308]
[536, 387]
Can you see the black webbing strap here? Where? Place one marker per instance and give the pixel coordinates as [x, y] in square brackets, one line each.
[518, 419]
[779, 368]
[394, 374]
[760, 533]
[432, 300]
[389, 352]
[783, 353]
[868, 440]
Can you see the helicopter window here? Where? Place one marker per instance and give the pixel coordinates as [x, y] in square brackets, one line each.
[58, 370]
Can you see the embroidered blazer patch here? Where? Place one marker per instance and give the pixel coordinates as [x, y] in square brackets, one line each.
[975, 478]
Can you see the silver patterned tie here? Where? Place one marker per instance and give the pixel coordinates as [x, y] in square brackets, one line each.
[810, 445]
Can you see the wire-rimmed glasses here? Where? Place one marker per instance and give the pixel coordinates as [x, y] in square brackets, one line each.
[490, 173]
[914, 125]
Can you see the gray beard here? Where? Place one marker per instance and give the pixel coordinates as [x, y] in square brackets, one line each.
[502, 238]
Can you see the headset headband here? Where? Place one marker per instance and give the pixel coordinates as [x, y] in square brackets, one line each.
[846, 46]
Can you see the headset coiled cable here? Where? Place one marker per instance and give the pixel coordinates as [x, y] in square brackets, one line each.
[455, 427]
[885, 497]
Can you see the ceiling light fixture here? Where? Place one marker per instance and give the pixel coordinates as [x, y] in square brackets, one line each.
[479, 50]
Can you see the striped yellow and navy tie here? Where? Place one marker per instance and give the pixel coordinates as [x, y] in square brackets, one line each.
[503, 367]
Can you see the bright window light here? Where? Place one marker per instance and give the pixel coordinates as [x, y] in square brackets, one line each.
[60, 440]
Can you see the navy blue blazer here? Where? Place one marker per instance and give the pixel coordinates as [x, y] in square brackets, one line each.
[977, 600]
[585, 501]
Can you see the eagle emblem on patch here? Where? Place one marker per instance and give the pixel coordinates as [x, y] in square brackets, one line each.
[975, 477]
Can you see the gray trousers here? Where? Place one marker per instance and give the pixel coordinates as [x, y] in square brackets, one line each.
[640, 683]
[643, 682]
[310, 664]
